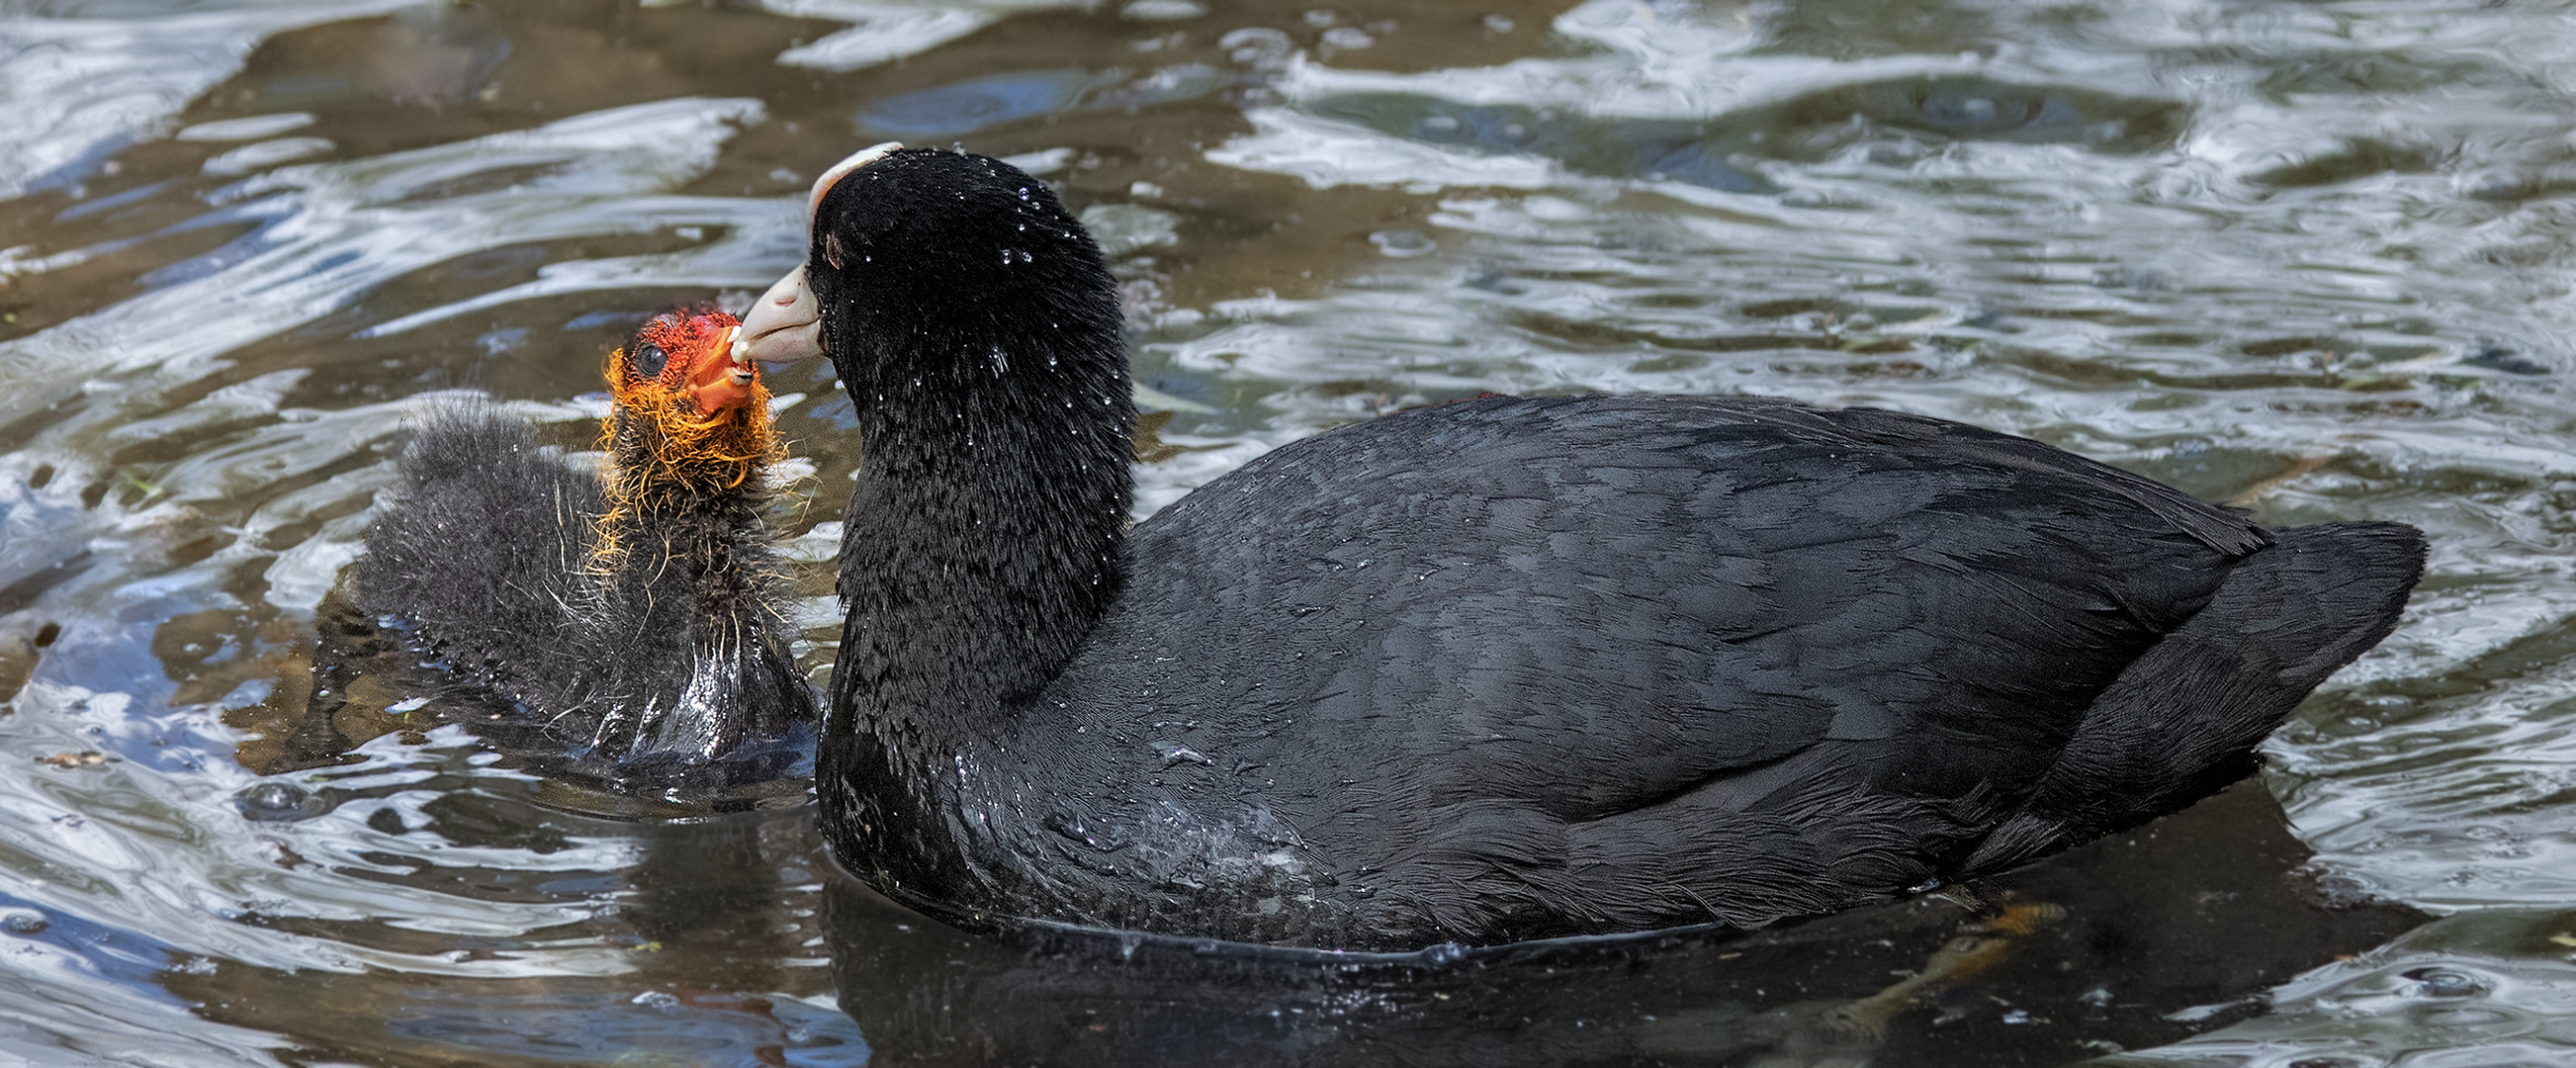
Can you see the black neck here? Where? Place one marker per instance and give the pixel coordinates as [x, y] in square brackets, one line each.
[978, 332]
[983, 536]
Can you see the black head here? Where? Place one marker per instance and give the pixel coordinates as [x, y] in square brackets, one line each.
[978, 333]
[955, 270]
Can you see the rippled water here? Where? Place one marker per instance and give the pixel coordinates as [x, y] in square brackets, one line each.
[2312, 258]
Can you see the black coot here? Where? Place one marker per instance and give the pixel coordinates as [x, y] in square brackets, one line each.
[633, 610]
[1494, 670]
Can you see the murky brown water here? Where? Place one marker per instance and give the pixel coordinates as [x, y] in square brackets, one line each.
[2312, 258]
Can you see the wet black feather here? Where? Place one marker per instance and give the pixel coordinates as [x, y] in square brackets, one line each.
[1500, 669]
[669, 658]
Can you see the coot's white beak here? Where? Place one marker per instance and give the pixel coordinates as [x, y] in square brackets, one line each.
[786, 324]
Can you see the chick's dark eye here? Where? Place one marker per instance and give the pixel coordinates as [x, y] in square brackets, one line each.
[649, 348]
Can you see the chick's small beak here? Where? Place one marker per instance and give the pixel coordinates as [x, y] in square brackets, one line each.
[716, 381]
[785, 325]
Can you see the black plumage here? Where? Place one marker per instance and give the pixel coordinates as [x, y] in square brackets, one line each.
[1493, 670]
[632, 610]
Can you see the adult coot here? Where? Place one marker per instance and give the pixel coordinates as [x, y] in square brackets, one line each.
[1493, 670]
[634, 609]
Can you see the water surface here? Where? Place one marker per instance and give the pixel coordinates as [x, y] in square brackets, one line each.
[2309, 258]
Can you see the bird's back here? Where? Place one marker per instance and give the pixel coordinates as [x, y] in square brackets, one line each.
[1475, 666]
[1588, 603]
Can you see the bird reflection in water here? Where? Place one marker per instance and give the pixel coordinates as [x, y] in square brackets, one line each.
[2088, 952]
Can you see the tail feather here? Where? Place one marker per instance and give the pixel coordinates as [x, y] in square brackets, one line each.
[2185, 718]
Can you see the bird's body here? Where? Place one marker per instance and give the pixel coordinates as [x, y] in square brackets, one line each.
[1493, 670]
[632, 610]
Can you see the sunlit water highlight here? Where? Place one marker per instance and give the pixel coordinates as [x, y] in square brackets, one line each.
[2310, 258]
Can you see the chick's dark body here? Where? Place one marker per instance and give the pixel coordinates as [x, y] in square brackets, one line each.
[1500, 669]
[636, 625]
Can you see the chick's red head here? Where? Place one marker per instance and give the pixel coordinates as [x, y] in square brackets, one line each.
[686, 417]
[694, 351]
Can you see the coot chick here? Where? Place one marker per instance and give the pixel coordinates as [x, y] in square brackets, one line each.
[1495, 670]
[634, 610]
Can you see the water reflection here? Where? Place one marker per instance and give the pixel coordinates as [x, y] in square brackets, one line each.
[693, 930]
[363, 678]
[968, 106]
[2095, 952]
[2484, 988]
[85, 80]
[1815, 127]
